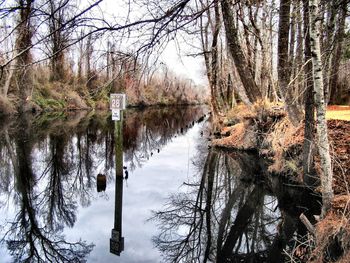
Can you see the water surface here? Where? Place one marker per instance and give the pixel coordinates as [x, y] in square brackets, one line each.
[176, 201]
[50, 206]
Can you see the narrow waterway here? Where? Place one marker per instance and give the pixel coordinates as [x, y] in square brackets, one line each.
[61, 198]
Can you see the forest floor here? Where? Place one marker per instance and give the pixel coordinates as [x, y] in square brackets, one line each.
[265, 128]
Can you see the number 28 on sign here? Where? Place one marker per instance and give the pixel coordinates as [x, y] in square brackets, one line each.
[117, 101]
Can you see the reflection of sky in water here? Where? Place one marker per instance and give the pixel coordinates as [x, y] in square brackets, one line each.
[82, 149]
[145, 190]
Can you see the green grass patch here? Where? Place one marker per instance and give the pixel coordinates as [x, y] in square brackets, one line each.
[48, 104]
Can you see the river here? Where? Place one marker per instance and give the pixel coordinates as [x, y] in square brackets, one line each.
[174, 200]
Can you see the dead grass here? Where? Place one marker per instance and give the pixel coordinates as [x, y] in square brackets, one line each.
[339, 138]
[259, 109]
[75, 101]
[6, 107]
[282, 138]
[242, 137]
[241, 112]
[227, 130]
[333, 233]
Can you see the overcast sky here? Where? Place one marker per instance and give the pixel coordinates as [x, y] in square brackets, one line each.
[187, 66]
[175, 54]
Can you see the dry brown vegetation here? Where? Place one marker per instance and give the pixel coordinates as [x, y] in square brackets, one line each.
[6, 107]
[76, 93]
[333, 233]
[278, 140]
[242, 137]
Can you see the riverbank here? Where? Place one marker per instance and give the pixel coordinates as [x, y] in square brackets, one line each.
[264, 128]
[78, 93]
[63, 98]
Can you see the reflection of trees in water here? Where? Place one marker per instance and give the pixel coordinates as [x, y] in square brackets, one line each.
[49, 166]
[60, 206]
[27, 237]
[47, 199]
[228, 215]
[147, 131]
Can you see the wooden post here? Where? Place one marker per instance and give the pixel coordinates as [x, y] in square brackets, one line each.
[117, 241]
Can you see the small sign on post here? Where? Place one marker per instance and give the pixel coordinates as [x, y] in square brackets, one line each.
[118, 101]
[115, 115]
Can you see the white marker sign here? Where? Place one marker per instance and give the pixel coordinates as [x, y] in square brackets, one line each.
[117, 101]
[115, 115]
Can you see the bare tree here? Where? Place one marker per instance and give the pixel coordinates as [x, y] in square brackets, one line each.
[320, 103]
[211, 51]
[23, 75]
[284, 68]
[309, 140]
[236, 50]
[58, 37]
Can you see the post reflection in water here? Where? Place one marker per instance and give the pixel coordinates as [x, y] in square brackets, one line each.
[116, 243]
[229, 210]
[48, 168]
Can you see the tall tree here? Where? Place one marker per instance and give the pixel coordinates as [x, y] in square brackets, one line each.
[338, 50]
[309, 145]
[23, 51]
[284, 69]
[323, 145]
[210, 52]
[58, 37]
[245, 72]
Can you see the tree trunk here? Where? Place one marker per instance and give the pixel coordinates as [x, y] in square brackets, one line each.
[242, 66]
[299, 56]
[58, 42]
[309, 174]
[329, 43]
[24, 76]
[211, 68]
[294, 113]
[214, 68]
[265, 73]
[108, 62]
[323, 145]
[335, 63]
[89, 73]
[80, 58]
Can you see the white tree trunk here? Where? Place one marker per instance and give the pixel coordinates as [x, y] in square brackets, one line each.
[323, 145]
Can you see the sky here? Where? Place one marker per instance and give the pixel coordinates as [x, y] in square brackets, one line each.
[175, 53]
[184, 65]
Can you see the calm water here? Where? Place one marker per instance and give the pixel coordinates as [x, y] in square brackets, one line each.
[60, 196]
